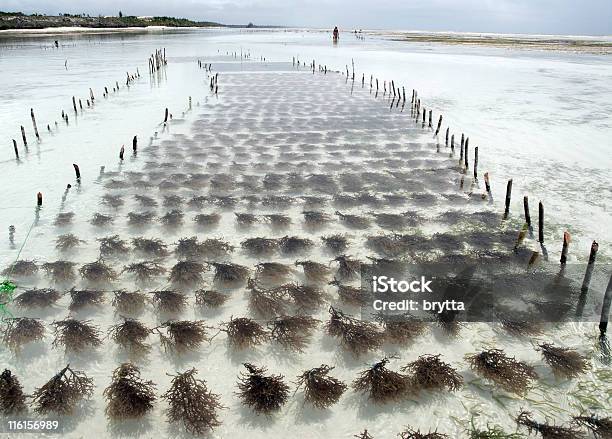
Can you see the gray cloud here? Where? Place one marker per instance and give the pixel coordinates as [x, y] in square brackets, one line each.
[520, 16]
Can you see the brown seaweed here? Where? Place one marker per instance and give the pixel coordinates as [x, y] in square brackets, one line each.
[263, 393]
[128, 396]
[320, 389]
[62, 393]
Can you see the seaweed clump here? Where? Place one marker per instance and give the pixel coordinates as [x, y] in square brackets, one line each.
[547, 431]
[126, 302]
[320, 389]
[100, 220]
[182, 335]
[131, 336]
[192, 403]
[112, 246]
[409, 433]
[97, 272]
[170, 302]
[294, 244]
[402, 329]
[61, 393]
[565, 362]
[348, 268]
[272, 272]
[76, 335]
[243, 332]
[382, 384]
[79, 299]
[263, 393]
[21, 268]
[292, 332]
[428, 372]
[229, 272]
[512, 375]
[144, 271]
[12, 398]
[37, 298]
[186, 273]
[314, 272]
[210, 298]
[150, 246]
[335, 243]
[60, 271]
[67, 242]
[21, 330]
[128, 396]
[357, 336]
[260, 246]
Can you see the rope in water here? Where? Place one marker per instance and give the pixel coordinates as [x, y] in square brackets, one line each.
[7, 287]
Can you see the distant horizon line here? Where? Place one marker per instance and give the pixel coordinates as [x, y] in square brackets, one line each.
[350, 29]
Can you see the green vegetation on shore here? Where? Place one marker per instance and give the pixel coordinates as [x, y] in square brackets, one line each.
[19, 20]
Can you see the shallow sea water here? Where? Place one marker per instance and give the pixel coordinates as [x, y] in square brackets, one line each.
[298, 129]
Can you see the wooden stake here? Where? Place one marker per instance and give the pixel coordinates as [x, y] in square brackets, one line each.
[134, 144]
[589, 272]
[467, 164]
[15, 148]
[564, 249]
[39, 199]
[121, 152]
[476, 163]
[487, 183]
[23, 136]
[446, 138]
[508, 196]
[453, 142]
[77, 171]
[91, 96]
[526, 208]
[541, 223]
[166, 115]
[605, 309]
[439, 125]
[34, 124]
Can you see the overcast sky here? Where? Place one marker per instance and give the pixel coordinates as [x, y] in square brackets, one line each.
[584, 17]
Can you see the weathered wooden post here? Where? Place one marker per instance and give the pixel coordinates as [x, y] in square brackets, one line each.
[39, 199]
[586, 282]
[453, 143]
[526, 208]
[15, 148]
[508, 196]
[23, 136]
[487, 182]
[166, 115]
[77, 171]
[476, 162]
[34, 124]
[429, 123]
[439, 125]
[134, 144]
[80, 105]
[605, 309]
[121, 152]
[565, 248]
[91, 96]
[541, 223]
[467, 164]
[74, 104]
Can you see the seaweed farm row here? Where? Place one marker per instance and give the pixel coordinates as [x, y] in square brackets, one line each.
[220, 270]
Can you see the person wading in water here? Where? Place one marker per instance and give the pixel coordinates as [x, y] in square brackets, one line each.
[336, 34]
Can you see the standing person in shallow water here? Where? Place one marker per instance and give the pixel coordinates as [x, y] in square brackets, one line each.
[336, 34]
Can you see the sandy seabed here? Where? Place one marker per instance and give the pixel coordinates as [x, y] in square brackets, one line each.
[274, 143]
